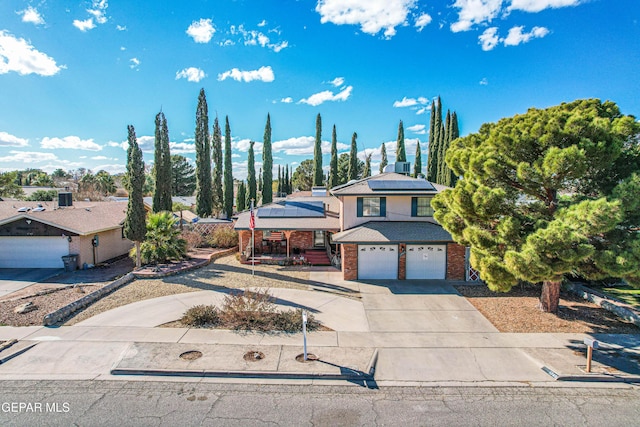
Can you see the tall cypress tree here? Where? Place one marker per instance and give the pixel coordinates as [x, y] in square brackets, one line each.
[437, 126]
[279, 180]
[204, 195]
[401, 154]
[417, 166]
[267, 165]
[450, 177]
[383, 154]
[443, 171]
[134, 222]
[162, 158]
[228, 174]
[318, 175]
[251, 175]
[333, 164]
[218, 167]
[287, 189]
[431, 155]
[353, 159]
[241, 198]
[260, 181]
[367, 166]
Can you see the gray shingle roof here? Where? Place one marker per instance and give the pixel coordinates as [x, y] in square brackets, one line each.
[394, 232]
[304, 219]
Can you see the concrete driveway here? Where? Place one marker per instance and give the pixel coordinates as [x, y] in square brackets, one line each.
[14, 279]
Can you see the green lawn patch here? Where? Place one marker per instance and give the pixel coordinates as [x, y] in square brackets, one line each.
[624, 293]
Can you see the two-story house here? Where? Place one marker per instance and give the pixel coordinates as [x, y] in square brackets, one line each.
[387, 231]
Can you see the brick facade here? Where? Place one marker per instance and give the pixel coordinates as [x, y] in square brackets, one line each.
[402, 262]
[455, 262]
[349, 262]
[301, 239]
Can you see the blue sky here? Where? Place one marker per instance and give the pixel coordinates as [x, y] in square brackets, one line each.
[74, 74]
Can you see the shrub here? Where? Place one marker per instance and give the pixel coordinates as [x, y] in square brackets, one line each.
[248, 310]
[193, 239]
[291, 321]
[43, 196]
[224, 237]
[201, 315]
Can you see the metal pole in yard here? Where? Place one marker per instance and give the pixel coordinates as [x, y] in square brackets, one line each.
[304, 332]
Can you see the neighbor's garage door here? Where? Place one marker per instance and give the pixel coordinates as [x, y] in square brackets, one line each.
[33, 252]
[377, 261]
[426, 261]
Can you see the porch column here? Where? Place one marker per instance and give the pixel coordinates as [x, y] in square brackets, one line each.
[287, 235]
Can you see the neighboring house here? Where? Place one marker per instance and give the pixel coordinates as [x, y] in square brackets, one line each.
[40, 236]
[291, 226]
[387, 231]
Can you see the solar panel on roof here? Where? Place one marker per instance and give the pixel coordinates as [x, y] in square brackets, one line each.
[397, 185]
[289, 212]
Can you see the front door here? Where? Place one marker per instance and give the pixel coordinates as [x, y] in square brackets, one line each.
[318, 239]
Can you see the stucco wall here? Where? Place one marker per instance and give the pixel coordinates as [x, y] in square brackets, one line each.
[111, 245]
[398, 209]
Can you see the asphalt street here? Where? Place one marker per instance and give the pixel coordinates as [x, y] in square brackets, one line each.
[161, 403]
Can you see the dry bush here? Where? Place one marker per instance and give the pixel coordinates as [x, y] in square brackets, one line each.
[291, 321]
[248, 310]
[193, 239]
[224, 237]
[201, 315]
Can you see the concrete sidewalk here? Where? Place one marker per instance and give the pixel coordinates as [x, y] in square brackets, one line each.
[423, 334]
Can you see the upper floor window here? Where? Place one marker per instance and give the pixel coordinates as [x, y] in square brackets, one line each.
[421, 206]
[372, 206]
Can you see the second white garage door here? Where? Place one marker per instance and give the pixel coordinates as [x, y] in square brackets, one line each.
[426, 261]
[33, 252]
[377, 261]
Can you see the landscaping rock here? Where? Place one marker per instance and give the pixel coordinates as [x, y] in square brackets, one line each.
[25, 308]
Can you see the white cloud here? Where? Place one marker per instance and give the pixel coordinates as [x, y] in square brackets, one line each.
[472, 12]
[255, 38]
[287, 100]
[28, 157]
[192, 74]
[112, 169]
[262, 23]
[539, 5]
[135, 63]
[484, 81]
[70, 142]
[85, 25]
[8, 140]
[405, 102]
[371, 16]
[338, 81]
[516, 36]
[277, 47]
[235, 155]
[303, 145]
[327, 95]
[121, 28]
[99, 158]
[489, 38]
[202, 31]
[422, 21]
[264, 74]
[20, 56]
[181, 147]
[31, 15]
[417, 129]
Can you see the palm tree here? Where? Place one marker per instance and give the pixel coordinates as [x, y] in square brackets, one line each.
[162, 242]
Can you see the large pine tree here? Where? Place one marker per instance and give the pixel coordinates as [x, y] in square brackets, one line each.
[383, 158]
[401, 153]
[228, 173]
[432, 156]
[353, 159]
[204, 196]
[162, 158]
[251, 175]
[333, 164]
[417, 166]
[218, 167]
[134, 222]
[318, 175]
[267, 165]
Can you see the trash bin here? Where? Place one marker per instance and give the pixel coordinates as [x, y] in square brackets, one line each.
[70, 262]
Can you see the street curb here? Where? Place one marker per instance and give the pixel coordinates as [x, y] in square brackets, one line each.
[356, 376]
[66, 311]
[591, 377]
[16, 353]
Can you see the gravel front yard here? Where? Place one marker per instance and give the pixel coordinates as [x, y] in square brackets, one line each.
[223, 273]
[517, 311]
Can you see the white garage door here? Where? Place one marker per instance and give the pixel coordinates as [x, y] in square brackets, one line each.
[426, 261]
[377, 261]
[33, 252]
